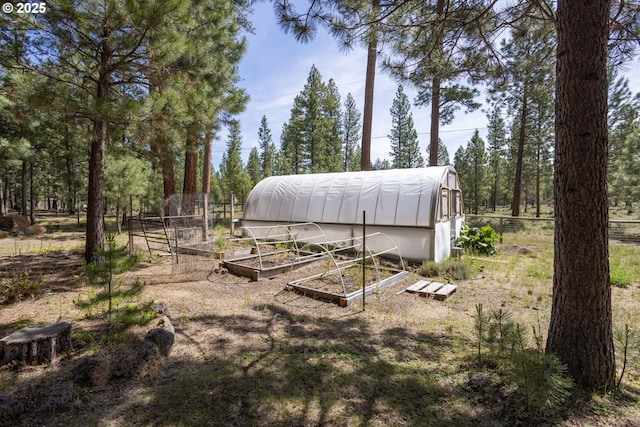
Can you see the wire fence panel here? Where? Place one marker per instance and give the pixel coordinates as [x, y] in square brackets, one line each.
[189, 228]
[513, 229]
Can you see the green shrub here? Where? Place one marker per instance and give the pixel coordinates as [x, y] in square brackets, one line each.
[478, 240]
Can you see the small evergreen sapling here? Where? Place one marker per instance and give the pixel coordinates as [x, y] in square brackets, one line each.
[113, 260]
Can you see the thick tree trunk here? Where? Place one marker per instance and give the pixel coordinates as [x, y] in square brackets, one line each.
[367, 118]
[435, 99]
[95, 201]
[580, 331]
[435, 121]
[189, 187]
[206, 163]
[166, 167]
[517, 185]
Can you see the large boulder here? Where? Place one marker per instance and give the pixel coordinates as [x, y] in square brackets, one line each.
[10, 221]
[3, 234]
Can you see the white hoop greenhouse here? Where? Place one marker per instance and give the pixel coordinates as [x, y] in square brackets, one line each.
[420, 209]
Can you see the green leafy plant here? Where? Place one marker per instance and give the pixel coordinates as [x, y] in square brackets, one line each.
[478, 240]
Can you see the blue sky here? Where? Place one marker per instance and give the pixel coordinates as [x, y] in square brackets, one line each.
[275, 69]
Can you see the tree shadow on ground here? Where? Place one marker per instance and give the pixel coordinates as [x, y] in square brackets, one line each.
[277, 367]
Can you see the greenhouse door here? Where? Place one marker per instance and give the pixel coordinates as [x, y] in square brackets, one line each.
[456, 212]
[448, 213]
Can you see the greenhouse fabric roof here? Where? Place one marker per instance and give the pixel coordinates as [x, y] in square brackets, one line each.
[405, 197]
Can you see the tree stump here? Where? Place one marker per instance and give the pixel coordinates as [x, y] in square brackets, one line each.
[40, 344]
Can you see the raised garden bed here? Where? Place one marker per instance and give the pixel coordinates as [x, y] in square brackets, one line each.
[258, 267]
[344, 286]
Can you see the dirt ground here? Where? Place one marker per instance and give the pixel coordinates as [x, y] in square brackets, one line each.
[243, 349]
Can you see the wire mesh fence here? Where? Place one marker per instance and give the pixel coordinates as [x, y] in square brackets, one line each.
[513, 229]
[188, 228]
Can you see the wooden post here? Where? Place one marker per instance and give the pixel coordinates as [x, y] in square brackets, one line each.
[364, 247]
[231, 215]
[205, 217]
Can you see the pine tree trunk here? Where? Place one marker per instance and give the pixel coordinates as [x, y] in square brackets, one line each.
[95, 201]
[3, 209]
[23, 201]
[435, 99]
[189, 188]
[367, 118]
[206, 163]
[538, 173]
[580, 331]
[517, 186]
[166, 167]
[494, 192]
[118, 221]
[32, 195]
[435, 122]
[69, 164]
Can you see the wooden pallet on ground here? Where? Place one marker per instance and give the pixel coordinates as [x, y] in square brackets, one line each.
[444, 292]
[436, 290]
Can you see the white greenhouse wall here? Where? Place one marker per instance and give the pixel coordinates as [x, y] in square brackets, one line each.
[405, 204]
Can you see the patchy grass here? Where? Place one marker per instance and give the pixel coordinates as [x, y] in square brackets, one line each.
[625, 265]
[448, 270]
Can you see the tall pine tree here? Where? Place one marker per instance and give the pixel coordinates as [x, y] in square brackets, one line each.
[311, 139]
[234, 177]
[350, 133]
[253, 166]
[496, 139]
[405, 148]
[267, 149]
